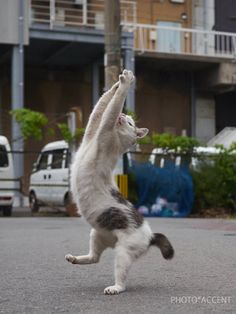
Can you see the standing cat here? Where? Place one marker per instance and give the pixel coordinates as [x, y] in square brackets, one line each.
[115, 222]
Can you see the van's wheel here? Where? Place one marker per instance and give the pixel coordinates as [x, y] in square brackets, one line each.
[33, 203]
[7, 211]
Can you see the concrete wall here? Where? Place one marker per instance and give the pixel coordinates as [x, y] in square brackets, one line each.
[9, 23]
[203, 14]
[205, 117]
[203, 18]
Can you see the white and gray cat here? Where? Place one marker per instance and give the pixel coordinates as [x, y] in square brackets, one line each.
[115, 222]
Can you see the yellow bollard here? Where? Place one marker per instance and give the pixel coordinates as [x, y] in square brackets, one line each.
[122, 183]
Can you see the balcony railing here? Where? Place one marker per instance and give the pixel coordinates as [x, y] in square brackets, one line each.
[77, 13]
[187, 41]
[147, 38]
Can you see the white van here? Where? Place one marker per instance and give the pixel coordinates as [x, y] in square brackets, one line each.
[7, 177]
[157, 156]
[49, 181]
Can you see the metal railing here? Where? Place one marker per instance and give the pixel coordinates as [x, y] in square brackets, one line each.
[148, 38]
[89, 13]
[187, 41]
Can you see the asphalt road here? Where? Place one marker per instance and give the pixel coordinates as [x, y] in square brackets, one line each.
[35, 278]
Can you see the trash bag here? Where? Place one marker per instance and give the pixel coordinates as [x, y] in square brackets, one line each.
[163, 192]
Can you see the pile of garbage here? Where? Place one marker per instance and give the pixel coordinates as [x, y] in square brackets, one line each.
[163, 192]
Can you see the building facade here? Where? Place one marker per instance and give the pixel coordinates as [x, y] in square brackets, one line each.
[182, 52]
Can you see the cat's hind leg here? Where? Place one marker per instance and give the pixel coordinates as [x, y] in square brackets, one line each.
[128, 249]
[123, 262]
[97, 246]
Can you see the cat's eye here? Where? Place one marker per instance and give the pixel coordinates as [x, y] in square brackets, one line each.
[130, 124]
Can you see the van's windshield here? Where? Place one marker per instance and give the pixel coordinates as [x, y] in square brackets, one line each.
[3, 157]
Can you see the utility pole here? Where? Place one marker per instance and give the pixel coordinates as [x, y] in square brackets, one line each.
[112, 59]
[17, 94]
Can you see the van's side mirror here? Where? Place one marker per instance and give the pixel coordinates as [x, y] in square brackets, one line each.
[35, 167]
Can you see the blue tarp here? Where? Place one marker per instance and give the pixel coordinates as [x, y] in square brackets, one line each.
[163, 192]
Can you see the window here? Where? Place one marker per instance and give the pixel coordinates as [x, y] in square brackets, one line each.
[3, 157]
[43, 161]
[67, 158]
[57, 158]
[169, 40]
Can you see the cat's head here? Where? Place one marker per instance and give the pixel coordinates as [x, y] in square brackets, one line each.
[128, 132]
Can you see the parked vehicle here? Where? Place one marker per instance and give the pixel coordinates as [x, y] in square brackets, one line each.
[49, 181]
[158, 157]
[7, 177]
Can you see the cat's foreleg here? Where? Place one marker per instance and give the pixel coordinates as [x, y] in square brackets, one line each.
[97, 246]
[123, 262]
[96, 115]
[115, 107]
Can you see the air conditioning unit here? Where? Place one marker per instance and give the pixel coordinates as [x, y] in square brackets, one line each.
[153, 35]
[177, 1]
[99, 20]
[59, 17]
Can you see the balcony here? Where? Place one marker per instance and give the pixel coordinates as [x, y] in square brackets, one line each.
[77, 13]
[182, 41]
[148, 39]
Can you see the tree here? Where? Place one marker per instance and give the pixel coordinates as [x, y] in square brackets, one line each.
[32, 124]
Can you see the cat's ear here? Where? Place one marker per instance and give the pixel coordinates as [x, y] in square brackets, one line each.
[141, 132]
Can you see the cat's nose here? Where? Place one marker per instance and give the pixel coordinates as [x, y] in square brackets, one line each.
[121, 118]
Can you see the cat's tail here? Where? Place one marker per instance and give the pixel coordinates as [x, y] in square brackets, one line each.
[161, 241]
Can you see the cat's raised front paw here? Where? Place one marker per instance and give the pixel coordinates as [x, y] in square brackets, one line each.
[116, 289]
[70, 258]
[127, 77]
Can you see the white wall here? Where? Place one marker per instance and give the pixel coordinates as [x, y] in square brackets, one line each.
[203, 18]
[9, 30]
[205, 117]
[203, 14]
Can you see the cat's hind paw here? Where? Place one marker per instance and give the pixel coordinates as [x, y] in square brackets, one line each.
[70, 258]
[116, 289]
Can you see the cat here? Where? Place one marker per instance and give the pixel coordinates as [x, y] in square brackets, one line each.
[114, 220]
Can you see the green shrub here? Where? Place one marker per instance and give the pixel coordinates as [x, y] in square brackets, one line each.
[215, 181]
[31, 122]
[67, 135]
[169, 142]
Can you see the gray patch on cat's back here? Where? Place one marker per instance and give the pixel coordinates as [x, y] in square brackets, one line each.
[136, 217]
[118, 197]
[113, 218]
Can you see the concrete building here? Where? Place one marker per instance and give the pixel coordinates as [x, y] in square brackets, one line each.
[182, 52]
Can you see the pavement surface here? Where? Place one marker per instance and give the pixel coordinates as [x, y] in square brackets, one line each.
[35, 278]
